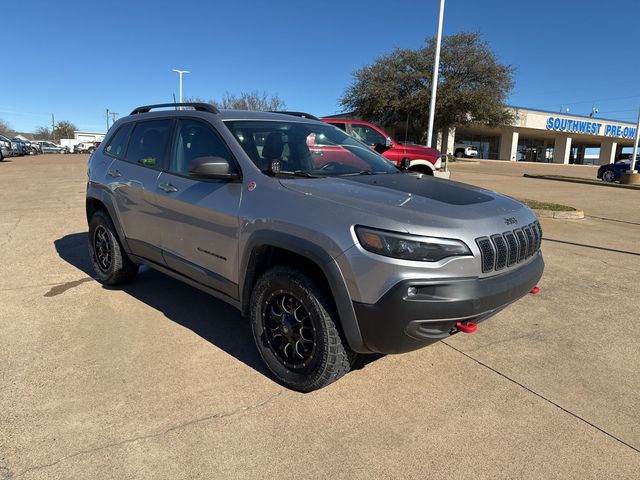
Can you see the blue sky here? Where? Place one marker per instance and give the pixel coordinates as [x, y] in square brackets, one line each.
[78, 58]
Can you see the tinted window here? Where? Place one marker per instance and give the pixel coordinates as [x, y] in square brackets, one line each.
[195, 139]
[148, 142]
[341, 126]
[367, 135]
[118, 142]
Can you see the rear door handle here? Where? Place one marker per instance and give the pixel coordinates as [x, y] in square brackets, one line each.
[167, 187]
[114, 173]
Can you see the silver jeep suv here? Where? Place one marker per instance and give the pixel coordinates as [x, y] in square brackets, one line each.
[328, 248]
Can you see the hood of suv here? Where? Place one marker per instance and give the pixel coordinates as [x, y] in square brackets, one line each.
[415, 200]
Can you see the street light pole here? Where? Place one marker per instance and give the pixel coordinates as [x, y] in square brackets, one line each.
[635, 146]
[181, 73]
[434, 83]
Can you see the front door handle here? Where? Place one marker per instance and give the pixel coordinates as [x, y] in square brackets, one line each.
[167, 187]
[114, 173]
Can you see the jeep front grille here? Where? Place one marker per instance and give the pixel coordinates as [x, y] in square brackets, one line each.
[506, 249]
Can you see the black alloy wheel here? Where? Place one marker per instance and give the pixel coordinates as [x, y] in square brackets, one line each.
[102, 248]
[109, 260]
[296, 329]
[288, 330]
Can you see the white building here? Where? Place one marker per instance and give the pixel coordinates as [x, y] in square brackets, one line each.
[544, 136]
[79, 136]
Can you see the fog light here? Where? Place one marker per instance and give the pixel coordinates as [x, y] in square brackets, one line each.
[412, 291]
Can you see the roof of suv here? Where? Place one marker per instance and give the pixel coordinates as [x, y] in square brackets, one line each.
[260, 115]
[171, 109]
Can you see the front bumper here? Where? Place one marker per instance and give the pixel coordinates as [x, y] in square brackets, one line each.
[400, 323]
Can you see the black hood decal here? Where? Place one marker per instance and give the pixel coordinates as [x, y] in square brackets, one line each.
[444, 191]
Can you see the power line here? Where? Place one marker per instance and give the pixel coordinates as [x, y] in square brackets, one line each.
[598, 100]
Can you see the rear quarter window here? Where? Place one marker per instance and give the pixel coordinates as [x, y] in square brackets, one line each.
[118, 142]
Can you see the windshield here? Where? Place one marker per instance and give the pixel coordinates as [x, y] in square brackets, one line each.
[306, 148]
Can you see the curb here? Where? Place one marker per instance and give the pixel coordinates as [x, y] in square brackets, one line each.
[581, 181]
[464, 160]
[570, 215]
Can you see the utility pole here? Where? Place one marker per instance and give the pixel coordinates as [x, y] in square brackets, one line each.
[53, 126]
[114, 115]
[635, 146]
[107, 115]
[434, 83]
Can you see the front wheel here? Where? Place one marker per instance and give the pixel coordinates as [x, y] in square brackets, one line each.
[109, 260]
[608, 176]
[459, 154]
[296, 331]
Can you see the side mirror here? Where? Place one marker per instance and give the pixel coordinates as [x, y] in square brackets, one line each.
[405, 163]
[388, 143]
[212, 168]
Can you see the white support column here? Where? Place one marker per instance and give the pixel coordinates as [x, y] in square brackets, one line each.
[439, 136]
[607, 152]
[509, 145]
[562, 150]
[450, 140]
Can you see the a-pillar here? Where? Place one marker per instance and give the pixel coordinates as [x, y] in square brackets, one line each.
[509, 145]
[562, 149]
[607, 152]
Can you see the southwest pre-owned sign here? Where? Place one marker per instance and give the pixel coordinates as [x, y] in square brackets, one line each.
[589, 128]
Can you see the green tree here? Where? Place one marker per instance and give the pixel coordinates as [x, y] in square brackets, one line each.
[5, 129]
[246, 101]
[64, 129]
[396, 88]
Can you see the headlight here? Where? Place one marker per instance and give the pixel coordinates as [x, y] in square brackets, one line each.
[410, 247]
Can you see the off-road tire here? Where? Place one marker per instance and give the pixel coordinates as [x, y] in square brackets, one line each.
[119, 269]
[332, 357]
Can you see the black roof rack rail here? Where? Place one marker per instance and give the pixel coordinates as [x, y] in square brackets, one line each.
[296, 114]
[199, 106]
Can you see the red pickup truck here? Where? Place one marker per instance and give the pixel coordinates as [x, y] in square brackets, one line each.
[423, 159]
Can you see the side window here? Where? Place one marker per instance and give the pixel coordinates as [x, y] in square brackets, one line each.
[195, 139]
[148, 142]
[118, 142]
[367, 135]
[341, 126]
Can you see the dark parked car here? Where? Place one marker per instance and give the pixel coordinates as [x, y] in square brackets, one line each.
[25, 146]
[18, 147]
[612, 172]
[5, 148]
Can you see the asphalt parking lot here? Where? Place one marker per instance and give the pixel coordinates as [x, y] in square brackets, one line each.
[157, 380]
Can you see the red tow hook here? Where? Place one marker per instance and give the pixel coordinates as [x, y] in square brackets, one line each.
[535, 290]
[468, 327]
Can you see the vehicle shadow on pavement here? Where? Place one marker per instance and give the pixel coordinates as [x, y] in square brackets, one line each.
[213, 320]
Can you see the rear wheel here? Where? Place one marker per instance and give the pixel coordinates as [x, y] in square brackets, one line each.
[296, 331]
[459, 154]
[109, 260]
[608, 176]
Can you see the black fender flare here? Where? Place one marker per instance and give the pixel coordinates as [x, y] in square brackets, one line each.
[103, 196]
[318, 256]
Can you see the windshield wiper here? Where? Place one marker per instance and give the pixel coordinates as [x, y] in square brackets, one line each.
[361, 172]
[299, 173]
